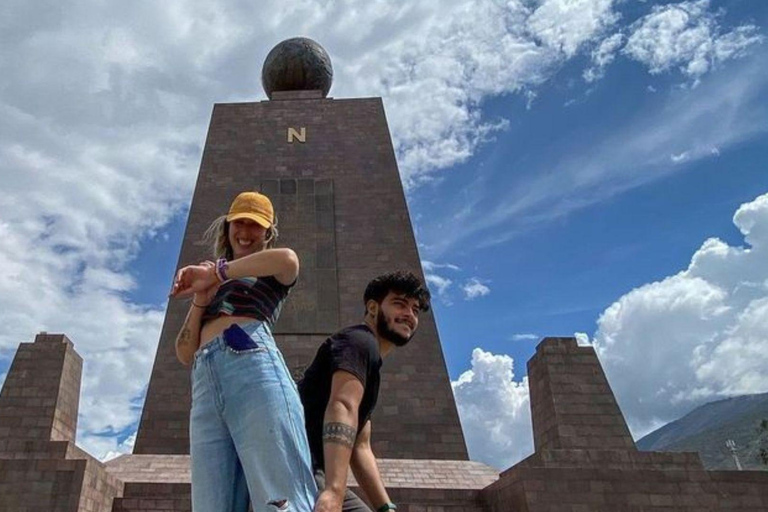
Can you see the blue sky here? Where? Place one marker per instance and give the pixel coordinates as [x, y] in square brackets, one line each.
[555, 276]
[566, 163]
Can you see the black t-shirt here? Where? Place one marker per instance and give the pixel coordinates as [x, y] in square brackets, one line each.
[354, 350]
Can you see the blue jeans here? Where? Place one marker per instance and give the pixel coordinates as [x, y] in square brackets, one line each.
[247, 430]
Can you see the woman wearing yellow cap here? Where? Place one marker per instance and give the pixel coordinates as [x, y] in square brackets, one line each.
[247, 432]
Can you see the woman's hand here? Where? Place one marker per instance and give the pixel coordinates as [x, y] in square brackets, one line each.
[206, 296]
[196, 279]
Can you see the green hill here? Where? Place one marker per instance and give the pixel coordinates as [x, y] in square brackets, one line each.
[706, 429]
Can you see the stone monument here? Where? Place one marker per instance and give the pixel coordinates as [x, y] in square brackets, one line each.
[329, 167]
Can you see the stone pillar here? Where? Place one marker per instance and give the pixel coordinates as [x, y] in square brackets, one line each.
[40, 466]
[41, 394]
[340, 204]
[586, 460]
[572, 405]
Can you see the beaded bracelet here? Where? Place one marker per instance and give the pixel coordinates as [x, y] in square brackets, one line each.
[221, 270]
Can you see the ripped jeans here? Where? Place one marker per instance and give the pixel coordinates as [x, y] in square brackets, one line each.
[247, 432]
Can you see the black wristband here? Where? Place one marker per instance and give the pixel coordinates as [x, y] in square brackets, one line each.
[387, 506]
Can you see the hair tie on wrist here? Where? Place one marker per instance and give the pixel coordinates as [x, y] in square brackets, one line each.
[198, 305]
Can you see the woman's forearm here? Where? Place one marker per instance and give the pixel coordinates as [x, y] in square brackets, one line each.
[281, 263]
[188, 339]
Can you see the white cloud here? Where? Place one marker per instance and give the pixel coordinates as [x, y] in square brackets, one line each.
[474, 288]
[441, 284]
[687, 35]
[602, 56]
[437, 282]
[667, 347]
[430, 266]
[107, 448]
[701, 334]
[525, 337]
[582, 339]
[458, 53]
[721, 113]
[116, 339]
[568, 24]
[495, 410]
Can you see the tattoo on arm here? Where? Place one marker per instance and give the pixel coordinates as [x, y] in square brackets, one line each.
[339, 433]
[184, 337]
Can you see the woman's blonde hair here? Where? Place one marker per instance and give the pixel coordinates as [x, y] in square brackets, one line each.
[217, 236]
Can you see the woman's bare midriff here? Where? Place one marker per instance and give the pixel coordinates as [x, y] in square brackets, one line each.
[213, 328]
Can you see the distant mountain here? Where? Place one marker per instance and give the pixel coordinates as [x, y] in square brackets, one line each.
[706, 429]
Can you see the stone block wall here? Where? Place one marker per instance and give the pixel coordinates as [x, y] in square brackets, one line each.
[154, 497]
[40, 466]
[39, 400]
[571, 402]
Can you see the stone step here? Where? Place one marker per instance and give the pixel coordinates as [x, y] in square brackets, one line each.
[161, 483]
[613, 459]
[168, 497]
[154, 497]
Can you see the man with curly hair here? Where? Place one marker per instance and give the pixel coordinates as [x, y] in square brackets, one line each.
[341, 386]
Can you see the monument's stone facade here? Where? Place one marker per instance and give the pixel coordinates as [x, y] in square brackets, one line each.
[341, 207]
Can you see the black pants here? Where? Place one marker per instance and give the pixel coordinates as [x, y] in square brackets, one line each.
[352, 503]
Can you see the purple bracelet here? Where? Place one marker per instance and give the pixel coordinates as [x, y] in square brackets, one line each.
[221, 269]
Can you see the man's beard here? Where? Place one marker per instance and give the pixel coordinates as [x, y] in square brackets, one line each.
[383, 330]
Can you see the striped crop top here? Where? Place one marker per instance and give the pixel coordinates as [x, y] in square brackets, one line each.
[260, 298]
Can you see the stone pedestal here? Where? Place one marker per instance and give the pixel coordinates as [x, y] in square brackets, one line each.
[586, 461]
[40, 466]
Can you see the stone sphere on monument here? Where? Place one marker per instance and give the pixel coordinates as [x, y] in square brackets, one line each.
[297, 64]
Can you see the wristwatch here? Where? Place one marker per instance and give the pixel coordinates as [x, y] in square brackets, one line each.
[387, 506]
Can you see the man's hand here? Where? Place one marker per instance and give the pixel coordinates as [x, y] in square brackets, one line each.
[329, 501]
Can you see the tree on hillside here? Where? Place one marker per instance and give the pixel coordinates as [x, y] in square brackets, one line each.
[763, 436]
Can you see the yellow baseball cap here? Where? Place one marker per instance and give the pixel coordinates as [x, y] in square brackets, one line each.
[254, 206]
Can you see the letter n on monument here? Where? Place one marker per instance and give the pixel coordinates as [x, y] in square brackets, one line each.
[329, 167]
